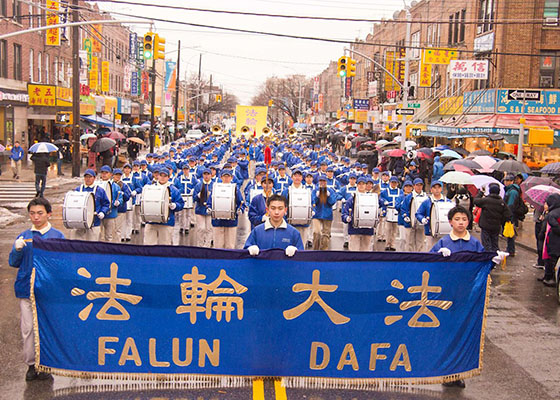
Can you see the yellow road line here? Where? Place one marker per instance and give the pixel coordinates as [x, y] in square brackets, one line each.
[280, 390]
[258, 389]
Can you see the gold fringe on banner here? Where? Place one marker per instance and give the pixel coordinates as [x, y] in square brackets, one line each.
[202, 381]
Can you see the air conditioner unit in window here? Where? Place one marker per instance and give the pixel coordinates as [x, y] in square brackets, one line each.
[478, 30]
[551, 21]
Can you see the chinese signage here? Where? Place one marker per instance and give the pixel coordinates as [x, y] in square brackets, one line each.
[438, 56]
[41, 95]
[468, 69]
[252, 117]
[103, 311]
[548, 102]
[425, 79]
[348, 87]
[479, 101]
[484, 43]
[389, 66]
[361, 104]
[53, 34]
[451, 105]
[132, 46]
[94, 74]
[105, 76]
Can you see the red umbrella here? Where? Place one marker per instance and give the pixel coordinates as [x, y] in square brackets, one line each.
[397, 153]
[422, 156]
[115, 135]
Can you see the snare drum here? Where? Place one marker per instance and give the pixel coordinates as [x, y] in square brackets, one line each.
[439, 223]
[108, 187]
[155, 204]
[366, 210]
[188, 199]
[392, 214]
[78, 210]
[299, 207]
[414, 206]
[223, 201]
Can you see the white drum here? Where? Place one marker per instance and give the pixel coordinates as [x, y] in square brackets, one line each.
[188, 199]
[155, 204]
[78, 210]
[439, 223]
[392, 215]
[254, 192]
[299, 207]
[223, 201]
[414, 206]
[106, 185]
[366, 210]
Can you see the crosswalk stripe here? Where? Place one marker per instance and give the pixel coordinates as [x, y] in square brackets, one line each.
[258, 389]
[280, 390]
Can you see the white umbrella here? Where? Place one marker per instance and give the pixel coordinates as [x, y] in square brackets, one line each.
[483, 182]
[459, 178]
[87, 136]
[43, 147]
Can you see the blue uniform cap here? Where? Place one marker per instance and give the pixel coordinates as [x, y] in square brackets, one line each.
[407, 183]
[297, 171]
[436, 183]
[281, 166]
[206, 171]
[117, 171]
[417, 181]
[362, 179]
[164, 171]
[90, 172]
[412, 163]
[136, 162]
[385, 173]
[127, 165]
[269, 178]
[394, 179]
[330, 168]
[352, 175]
[143, 162]
[226, 172]
[364, 165]
[322, 177]
[106, 168]
[376, 170]
[324, 162]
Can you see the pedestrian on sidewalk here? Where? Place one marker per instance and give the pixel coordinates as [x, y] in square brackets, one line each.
[59, 160]
[551, 233]
[21, 257]
[16, 156]
[41, 166]
[495, 213]
[512, 198]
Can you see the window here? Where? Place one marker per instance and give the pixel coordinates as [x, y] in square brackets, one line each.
[551, 8]
[17, 62]
[456, 32]
[31, 69]
[39, 67]
[47, 69]
[3, 59]
[3, 8]
[31, 17]
[485, 16]
[16, 11]
[415, 42]
[548, 70]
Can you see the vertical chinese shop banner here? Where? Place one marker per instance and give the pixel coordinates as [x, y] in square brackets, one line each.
[52, 37]
[105, 76]
[107, 310]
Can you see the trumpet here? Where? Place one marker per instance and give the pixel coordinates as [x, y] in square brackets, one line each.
[216, 129]
[266, 130]
[245, 129]
[292, 131]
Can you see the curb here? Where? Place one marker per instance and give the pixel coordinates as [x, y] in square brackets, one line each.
[522, 245]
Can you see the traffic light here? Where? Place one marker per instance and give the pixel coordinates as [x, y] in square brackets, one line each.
[64, 118]
[342, 66]
[159, 48]
[218, 98]
[270, 103]
[351, 67]
[148, 46]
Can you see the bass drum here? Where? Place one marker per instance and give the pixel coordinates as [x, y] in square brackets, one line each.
[78, 210]
[106, 186]
[439, 224]
[414, 206]
[155, 204]
[299, 207]
[366, 210]
[223, 201]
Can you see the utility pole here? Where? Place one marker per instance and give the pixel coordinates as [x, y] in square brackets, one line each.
[198, 87]
[406, 76]
[521, 139]
[177, 84]
[76, 157]
[209, 95]
[152, 113]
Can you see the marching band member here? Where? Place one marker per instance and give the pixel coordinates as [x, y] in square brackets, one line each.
[375, 176]
[345, 193]
[405, 222]
[416, 234]
[122, 207]
[423, 213]
[145, 171]
[109, 223]
[381, 230]
[102, 206]
[185, 183]
[297, 183]
[225, 230]
[160, 233]
[257, 208]
[360, 238]
[388, 203]
[254, 184]
[282, 181]
[323, 199]
[201, 194]
[275, 233]
[135, 183]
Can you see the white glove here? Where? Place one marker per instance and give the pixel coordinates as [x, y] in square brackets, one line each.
[20, 243]
[496, 260]
[407, 220]
[134, 193]
[172, 206]
[424, 221]
[349, 219]
[117, 203]
[253, 250]
[444, 251]
[291, 250]
[386, 203]
[100, 215]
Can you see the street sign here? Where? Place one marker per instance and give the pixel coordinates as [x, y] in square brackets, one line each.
[517, 94]
[348, 106]
[405, 111]
[413, 105]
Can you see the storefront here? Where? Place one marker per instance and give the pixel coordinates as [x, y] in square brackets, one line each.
[13, 116]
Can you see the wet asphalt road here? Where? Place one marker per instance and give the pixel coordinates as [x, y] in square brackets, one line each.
[521, 353]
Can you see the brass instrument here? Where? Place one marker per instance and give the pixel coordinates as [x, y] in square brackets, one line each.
[292, 131]
[216, 129]
[266, 130]
[245, 129]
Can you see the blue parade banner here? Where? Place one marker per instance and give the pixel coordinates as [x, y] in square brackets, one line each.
[114, 310]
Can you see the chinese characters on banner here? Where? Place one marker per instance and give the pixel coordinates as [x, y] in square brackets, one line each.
[97, 30]
[105, 76]
[252, 117]
[348, 87]
[145, 84]
[361, 104]
[134, 83]
[321, 102]
[53, 34]
[468, 69]
[41, 95]
[389, 66]
[94, 74]
[438, 56]
[425, 79]
[127, 78]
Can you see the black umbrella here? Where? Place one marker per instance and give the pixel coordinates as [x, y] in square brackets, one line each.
[464, 162]
[359, 139]
[60, 142]
[365, 153]
[102, 144]
[553, 168]
[425, 150]
[478, 153]
[461, 151]
[510, 166]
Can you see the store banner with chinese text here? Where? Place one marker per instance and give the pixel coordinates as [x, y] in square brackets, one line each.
[114, 310]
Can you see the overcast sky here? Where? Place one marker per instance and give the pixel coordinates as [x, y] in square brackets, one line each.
[241, 62]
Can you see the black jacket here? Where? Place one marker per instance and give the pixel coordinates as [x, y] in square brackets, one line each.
[495, 213]
[42, 163]
[553, 219]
